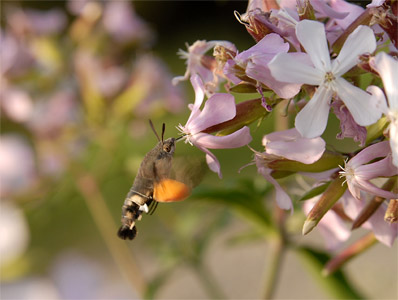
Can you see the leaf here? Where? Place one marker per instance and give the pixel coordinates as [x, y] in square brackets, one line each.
[336, 284]
[315, 191]
[244, 198]
[244, 88]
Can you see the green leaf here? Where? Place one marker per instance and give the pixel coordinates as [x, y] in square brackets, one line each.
[244, 88]
[315, 191]
[336, 284]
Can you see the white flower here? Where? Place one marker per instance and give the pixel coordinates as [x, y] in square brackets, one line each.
[311, 121]
[387, 67]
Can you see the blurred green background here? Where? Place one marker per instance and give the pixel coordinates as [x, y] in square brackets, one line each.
[79, 81]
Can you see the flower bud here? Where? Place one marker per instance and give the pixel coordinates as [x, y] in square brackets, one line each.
[391, 215]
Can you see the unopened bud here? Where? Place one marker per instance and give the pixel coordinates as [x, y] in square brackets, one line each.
[305, 10]
[391, 215]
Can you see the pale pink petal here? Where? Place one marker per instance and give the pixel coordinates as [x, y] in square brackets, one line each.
[199, 89]
[312, 37]
[282, 199]
[381, 168]
[294, 147]
[237, 139]
[212, 161]
[375, 3]
[343, 6]
[387, 67]
[361, 40]
[360, 104]
[384, 232]
[374, 190]
[327, 11]
[218, 108]
[286, 67]
[312, 119]
[371, 152]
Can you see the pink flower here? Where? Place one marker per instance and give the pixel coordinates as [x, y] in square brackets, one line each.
[358, 172]
[217, 109]
[311, 121]
[348, 126]
[387, 67]
[287, 144]
[197, 63]
[254, 62]
[384, 232]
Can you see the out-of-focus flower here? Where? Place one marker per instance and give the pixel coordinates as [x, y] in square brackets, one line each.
[17, 165]
[387, 67]
[16, 104]
[124, 25]
[51, 116]
[204, 65]
[311, 121]
[358, 172]
[218, 108]
[152, 78]
[332, 228]
[348, 126]
[37, 22]
[385, 232]
[287, 144]
[14, 234]
[254, 64]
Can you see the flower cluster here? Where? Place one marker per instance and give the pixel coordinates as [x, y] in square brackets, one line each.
[309, 56]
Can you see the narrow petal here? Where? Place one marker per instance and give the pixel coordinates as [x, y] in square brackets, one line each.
[218, 108]
[311, 35]
[381, 168]
[388, 70]
[375, 190]
[361, 40]
[311, 121]
[286, 68]
[237, 139]
[199, 89]
[369, 153]
[362, 107]
[212, 161]
[282, 198]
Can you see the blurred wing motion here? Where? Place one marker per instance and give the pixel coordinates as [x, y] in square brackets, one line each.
[169, 190]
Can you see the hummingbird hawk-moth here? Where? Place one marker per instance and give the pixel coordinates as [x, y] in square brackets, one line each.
[152, 184]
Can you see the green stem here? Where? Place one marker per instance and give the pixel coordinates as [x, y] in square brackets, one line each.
[208, 281]
[273, 270]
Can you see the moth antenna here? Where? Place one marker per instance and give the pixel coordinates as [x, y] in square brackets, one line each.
[154, 130]
[163, 130]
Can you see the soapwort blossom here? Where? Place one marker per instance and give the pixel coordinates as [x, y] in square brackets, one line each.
[387, 67]
[254, 64]
[218, 108]
[358, 171]
[311, 121]
[287, 144]
[203, 65]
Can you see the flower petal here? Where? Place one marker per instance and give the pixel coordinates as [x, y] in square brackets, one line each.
[294, 147]
[362, 107]
[361, 40]
[387, 67]
[311, 121]
[199, 89]
[378, 97]
[218, 108]
[312, 37]
[237, 139]
[212, 161]
[394, 142]
[285, 67]
[369, 153]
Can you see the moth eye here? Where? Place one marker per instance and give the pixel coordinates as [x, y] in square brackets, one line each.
[166, 148]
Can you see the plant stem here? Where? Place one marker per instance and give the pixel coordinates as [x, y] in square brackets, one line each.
[121, 254]
[273, 270]
[208, 281]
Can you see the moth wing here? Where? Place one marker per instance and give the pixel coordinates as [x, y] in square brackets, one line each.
[170, 190]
